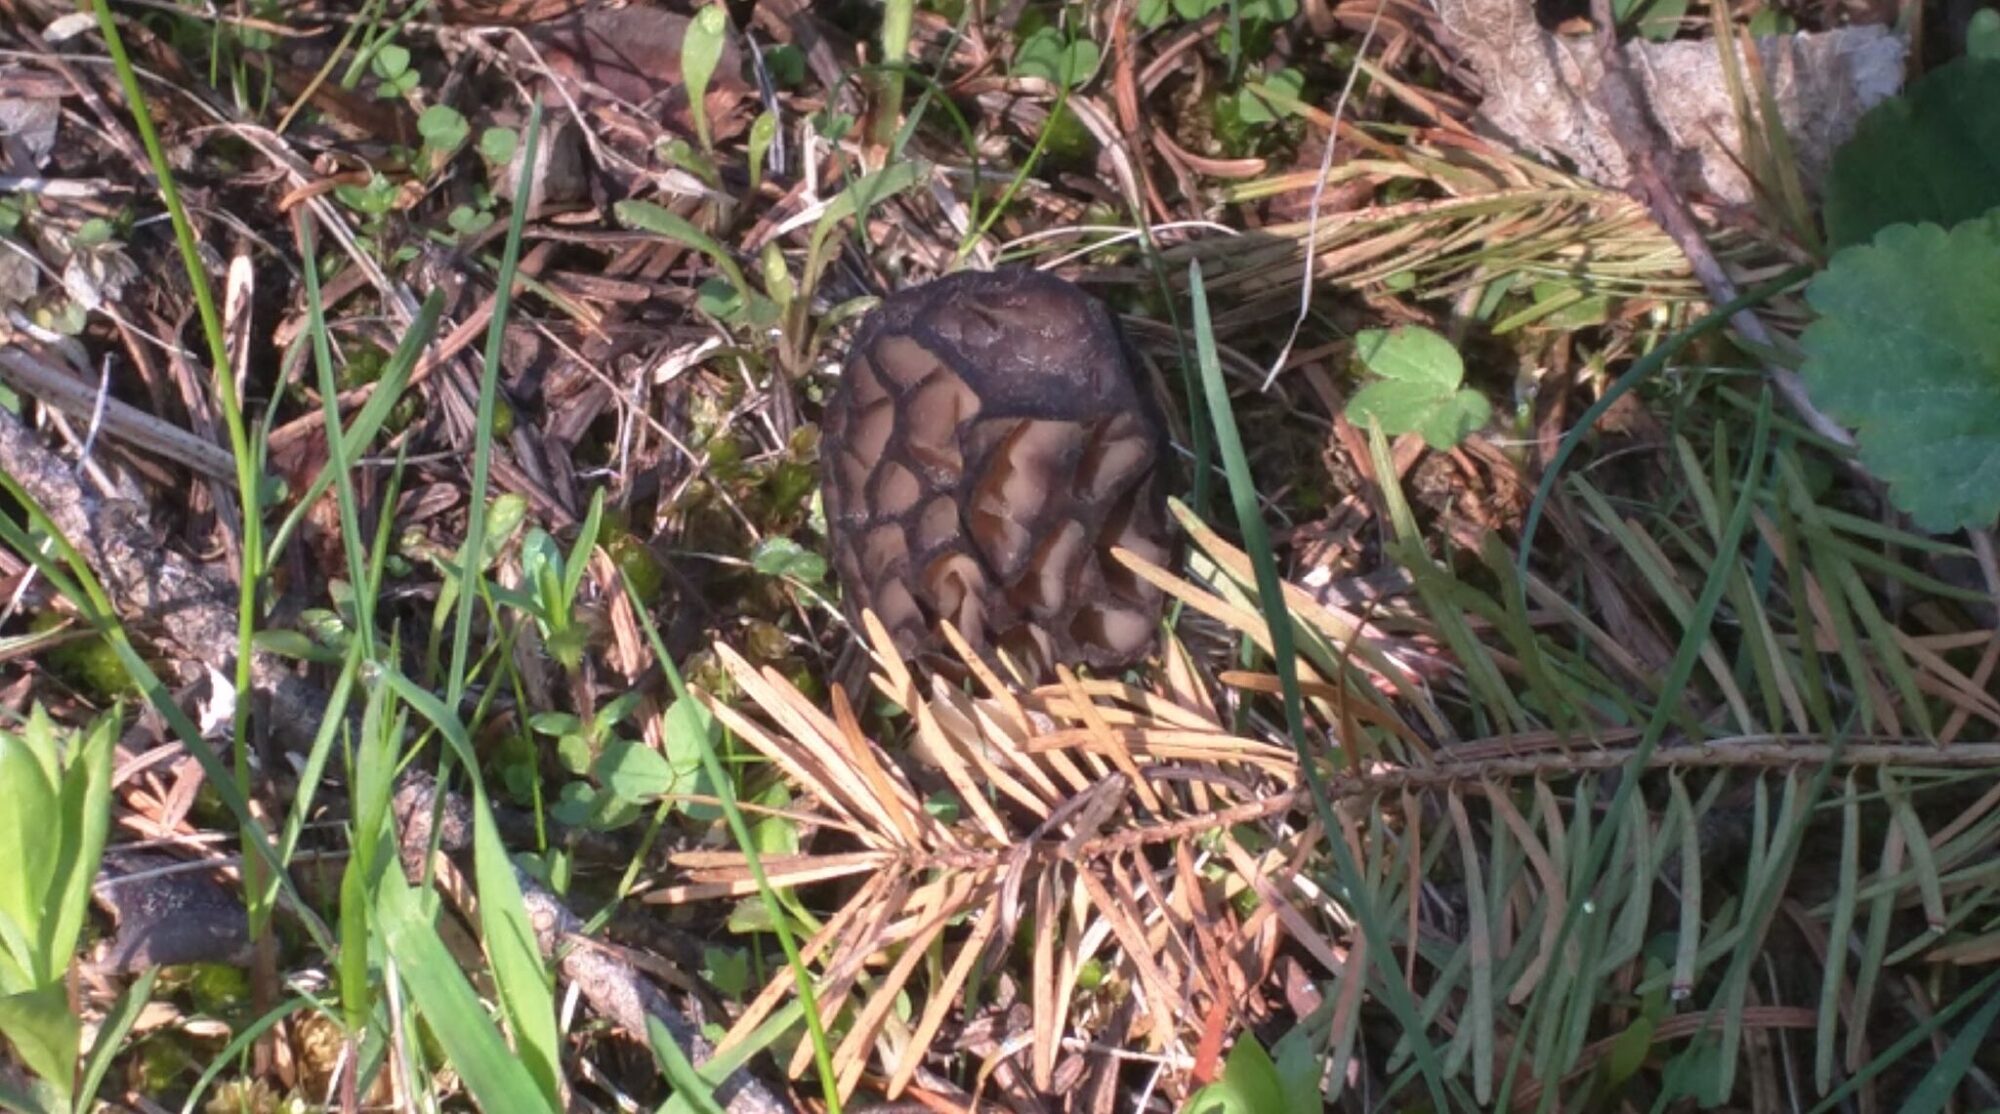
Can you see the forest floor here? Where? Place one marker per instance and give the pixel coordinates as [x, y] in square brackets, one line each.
[1551, 709]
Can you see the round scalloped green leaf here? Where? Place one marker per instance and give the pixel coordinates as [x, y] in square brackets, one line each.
[1907, 352]
[1931, 154]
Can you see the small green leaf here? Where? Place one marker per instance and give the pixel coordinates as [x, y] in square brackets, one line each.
[294, 644]
[677, 153]
[1053, 56]
[944, 806]
[371, 200]
[1411, 353]
[1907, 351]
[568, 645]
[751, 915]
[1263, 102]
[1300, 1065]
[1629, 1051]
[555, 724]
[443, 127]
[717, 298]
[636, 772]
[468, 221]
[1270, 11]
[575, 805]
[503, 519]
[777, 275]
[701, 49]
[1249, 1083]
[94, 232]
[499, 144]
[775, 835]
[833, 126]
[391, 62]
[786, 64]
[726, 969]
[1982, 35]
[781, 556]
[689, 729]
[44, 1033]
[614, 712]
[1442, 419]
[1654, 19]
[573, 752]
[762, 131]
[1419, 392]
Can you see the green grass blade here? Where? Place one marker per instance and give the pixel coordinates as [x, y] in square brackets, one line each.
[518, 969]
[372, 770]
[1257, 542]
[338, 465]
[1919, 1034]
[1917, 844]
[248, 478]
[1478, 1020]
[739, 829]
[690, 1088]
[1934, 1092]
[244, 1038]
[1838, 929]
[111, 1033]
[1439, 592]
[374, 413]
[85, 822]
[489, 380]
[1679, 672]
[499, 1082]
[1642, 369]
[863, 194]
[505, 928]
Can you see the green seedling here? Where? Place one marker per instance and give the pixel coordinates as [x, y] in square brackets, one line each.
[57, 785]
[1419, 389]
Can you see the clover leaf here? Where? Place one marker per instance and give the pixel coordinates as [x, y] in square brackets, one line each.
[1053, 56]
[1419, 390]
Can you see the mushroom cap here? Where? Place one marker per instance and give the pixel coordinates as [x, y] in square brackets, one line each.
[987, 446]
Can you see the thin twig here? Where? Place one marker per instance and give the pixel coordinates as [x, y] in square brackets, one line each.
[1618, 94]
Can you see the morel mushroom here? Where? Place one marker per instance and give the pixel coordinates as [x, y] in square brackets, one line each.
[987, 446]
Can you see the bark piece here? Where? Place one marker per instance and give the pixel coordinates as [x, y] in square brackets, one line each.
[1542, 91]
